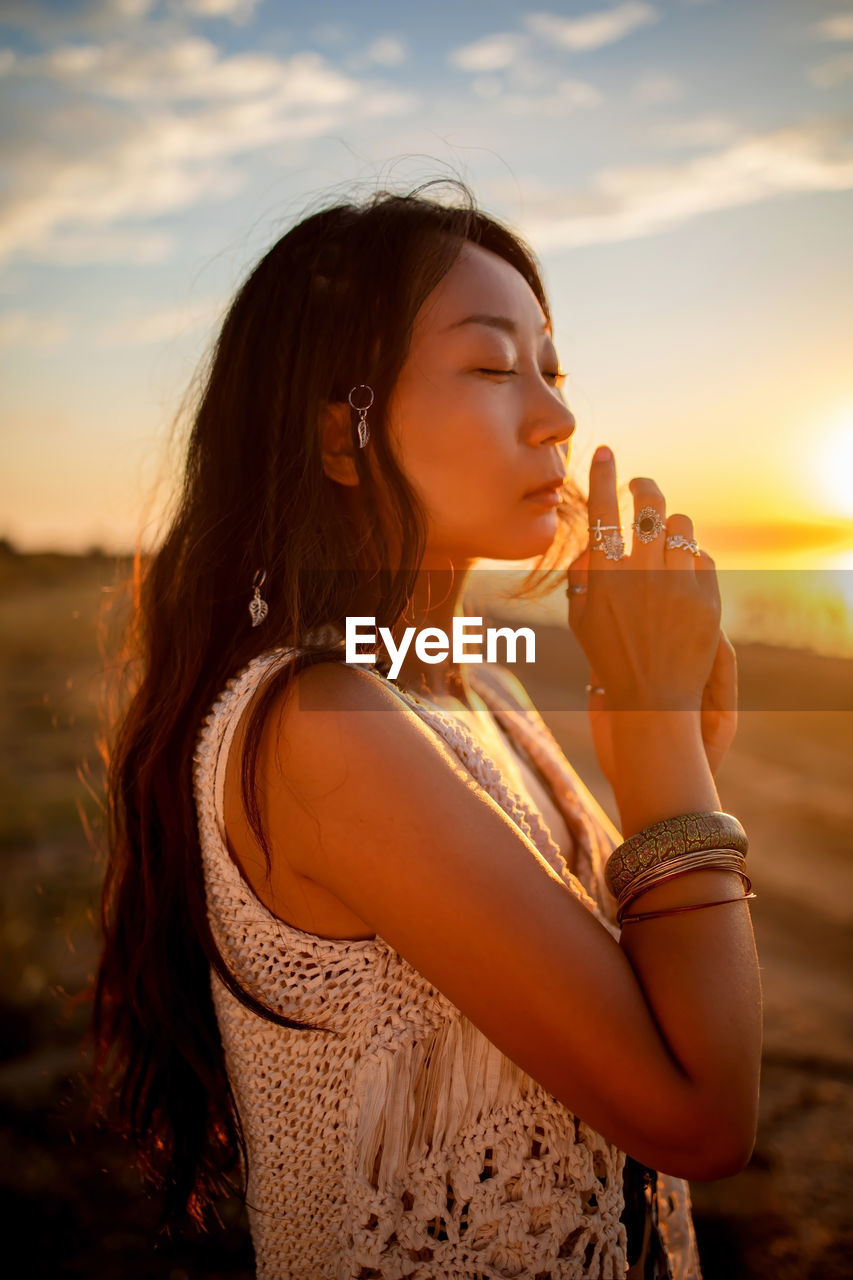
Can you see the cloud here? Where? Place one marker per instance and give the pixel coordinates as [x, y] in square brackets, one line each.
[654, 88]
[330, 33]
[702, 131]
[626, 203]
[488, 87]
[62, 247]
[592, 30]
[238, 11]
[132, 8]
[384, 51]
[203, 114]
[837, 27]
[48, 20]
[186, 69]
[32, 329]
[387, 51]
[168, 324]
[568, 96]
[491, 53]
[835, 70]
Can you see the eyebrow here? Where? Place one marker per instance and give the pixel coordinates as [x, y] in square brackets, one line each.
[504, 323]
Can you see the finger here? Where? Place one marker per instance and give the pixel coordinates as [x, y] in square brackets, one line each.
[706, 577]
[605, 541]
[578, 573]
[725, 648]
[722, 682]
[649, 524]
[579, 567]
[679, 544]
[577, 581]
[595, 689]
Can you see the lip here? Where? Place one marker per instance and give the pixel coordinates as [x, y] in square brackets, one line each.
[544, 497]
[549, 493]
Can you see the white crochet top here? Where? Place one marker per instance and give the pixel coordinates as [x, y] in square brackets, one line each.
[410, 1146]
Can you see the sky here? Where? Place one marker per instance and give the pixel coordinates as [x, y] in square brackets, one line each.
[683, 168]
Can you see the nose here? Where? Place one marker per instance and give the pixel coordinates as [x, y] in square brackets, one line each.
[552, 420]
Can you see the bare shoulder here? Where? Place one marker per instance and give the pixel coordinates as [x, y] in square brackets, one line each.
[371, 803]
[355, 708]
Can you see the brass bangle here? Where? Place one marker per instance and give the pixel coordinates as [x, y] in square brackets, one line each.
[671, 838]
[695, 906]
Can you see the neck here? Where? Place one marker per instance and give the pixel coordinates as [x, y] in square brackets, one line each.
[436, 601]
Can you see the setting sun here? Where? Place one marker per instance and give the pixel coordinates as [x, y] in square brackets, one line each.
[833, 466]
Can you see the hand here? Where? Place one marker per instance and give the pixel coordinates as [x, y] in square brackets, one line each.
[719, 704]
[718, 713]
[654, 632]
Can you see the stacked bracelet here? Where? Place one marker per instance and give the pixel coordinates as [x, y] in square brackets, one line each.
[725, 860]
[672, 838]
[672, 868]
[671, 848]
[694, 906]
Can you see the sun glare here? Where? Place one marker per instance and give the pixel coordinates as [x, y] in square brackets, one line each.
[833, 468]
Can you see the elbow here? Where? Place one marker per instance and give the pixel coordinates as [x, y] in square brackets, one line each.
[732, 1158]
[717, 1133]
[716, 1152]
[720, 1162]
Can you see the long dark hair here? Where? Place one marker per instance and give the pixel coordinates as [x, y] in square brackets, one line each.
[331, 305]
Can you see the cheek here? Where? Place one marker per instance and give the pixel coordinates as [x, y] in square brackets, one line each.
[453, 443]
[464, 469]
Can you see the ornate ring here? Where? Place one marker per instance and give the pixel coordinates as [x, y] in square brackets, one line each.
[611, 544]
[677, 540]
[593, 688]
[648, 524]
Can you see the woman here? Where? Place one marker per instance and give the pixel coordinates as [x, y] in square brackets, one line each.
[363, 935]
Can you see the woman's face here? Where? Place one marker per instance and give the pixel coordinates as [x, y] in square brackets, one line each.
[477, 417]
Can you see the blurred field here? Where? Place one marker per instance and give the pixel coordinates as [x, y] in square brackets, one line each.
[69, 1191]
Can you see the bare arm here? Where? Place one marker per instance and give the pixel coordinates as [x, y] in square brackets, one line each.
[699, 971]
[649, 622]
[397, 829]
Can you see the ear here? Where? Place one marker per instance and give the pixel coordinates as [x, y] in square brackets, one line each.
[336, 444]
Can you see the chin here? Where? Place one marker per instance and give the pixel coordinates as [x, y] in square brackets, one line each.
[522, 546]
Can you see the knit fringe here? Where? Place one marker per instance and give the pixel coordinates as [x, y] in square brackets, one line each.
[415, 1098]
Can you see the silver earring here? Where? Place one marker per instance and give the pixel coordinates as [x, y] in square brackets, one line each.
[258, 607]
[361, 410]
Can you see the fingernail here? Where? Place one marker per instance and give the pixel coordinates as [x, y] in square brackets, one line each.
[602, 454]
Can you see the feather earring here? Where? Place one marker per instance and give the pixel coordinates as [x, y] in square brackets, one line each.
[258, 607]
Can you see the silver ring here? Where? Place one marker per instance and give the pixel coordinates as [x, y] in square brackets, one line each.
[575, 589]
[598, 529]
[593, 688]
[648, 524]
[677, 540]
[611, 544]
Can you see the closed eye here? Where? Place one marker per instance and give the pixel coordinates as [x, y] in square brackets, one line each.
[555, 377]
